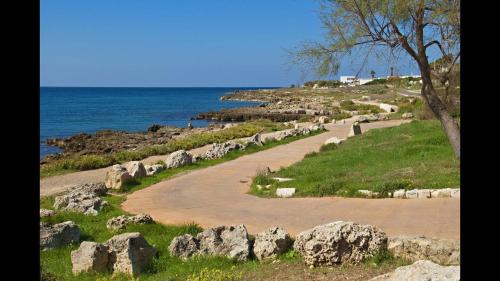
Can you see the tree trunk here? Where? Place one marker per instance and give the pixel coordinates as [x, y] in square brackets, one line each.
[440, 111]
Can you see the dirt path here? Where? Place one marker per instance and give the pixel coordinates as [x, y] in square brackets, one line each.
[217, 195]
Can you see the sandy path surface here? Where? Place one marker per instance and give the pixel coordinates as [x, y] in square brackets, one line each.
[217, 195]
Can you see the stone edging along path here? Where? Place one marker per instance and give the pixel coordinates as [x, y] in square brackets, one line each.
[217, 196]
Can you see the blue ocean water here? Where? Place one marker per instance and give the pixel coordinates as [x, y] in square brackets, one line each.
[67, 111]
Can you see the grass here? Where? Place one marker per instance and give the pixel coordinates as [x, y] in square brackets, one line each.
[88, 162]
[165, 174]
[413, 155]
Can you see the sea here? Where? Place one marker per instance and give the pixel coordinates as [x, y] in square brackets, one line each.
[66, 111]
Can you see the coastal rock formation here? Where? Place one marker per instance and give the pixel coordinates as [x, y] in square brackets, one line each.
[178, 159]
[117, 176]
[414, 248]
[153, 169]
[129, 253]
[218, 150]
[271, 243]
[422, 270]
[184, 246]
[46, 213]
[355, 130]
[136, 169]
[90, 256]
[339, 242]
[58, 235]
[82, 198]
[121, 221]
[231, 241]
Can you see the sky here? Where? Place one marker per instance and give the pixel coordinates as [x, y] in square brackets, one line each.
[182, 43]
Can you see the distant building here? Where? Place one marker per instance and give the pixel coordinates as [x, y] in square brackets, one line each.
[352, 80]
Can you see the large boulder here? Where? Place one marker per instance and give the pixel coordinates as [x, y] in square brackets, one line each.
[271, 243]
[90, 256]
[129, 253]
[184, 246]
[58, 235]
[231, 241]
[218, 150]
[117, 176]
[98, 189]
[153, 169]
[136, 169]
[339, 242]
[121, 221]
[422, 270]
[414, 248]
[178, 159]
[355, 130]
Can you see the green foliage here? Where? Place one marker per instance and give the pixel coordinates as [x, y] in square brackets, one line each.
[305, 118]
[328, 147]
[413, 155]
[213, 274]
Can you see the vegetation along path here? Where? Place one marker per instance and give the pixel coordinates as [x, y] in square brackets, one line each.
[218, 195]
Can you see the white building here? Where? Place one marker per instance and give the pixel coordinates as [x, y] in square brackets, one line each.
[352, 80]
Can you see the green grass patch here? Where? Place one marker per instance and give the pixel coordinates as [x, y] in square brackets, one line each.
[413, 155]
[89, 162]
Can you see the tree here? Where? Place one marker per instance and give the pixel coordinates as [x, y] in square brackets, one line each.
[410, 26]
[372, 73]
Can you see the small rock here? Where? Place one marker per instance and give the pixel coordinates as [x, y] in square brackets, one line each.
[231, 241]
[334, 140]
[423, 193]
[399, 194]
[46, 213]
[441, 193]
[117, 176]
[414, 248]
[90, 256]
[184, 246]
[271, 243]
[122, 221]
[285, 192]
[388, 107]
[58, 235]
[412, 194]
[420, 271]
[136, 169]
[129, 253]
[256, 139]
[355, 130]
[153, 169]
[407, 115]
[323, 119]
[178, 159]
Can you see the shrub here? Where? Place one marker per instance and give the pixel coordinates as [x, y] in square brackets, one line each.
[305, 118]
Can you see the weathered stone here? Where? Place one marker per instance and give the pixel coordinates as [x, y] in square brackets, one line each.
[441, 193]
[117, 176]
[218, 150]
[323, 119]
[136, 169]
[365, 193]
[231, 241]
[339, 242]
[388, 107]
[153, 169]
[423, 193]
[411, 194]
[121, 221]
[178, 159]
[399, 194]
[355, 130]
[79, 201]
[184, 246]
[58, 235]
[407, 115]
[282, 179]
[285, 192]
[265, 171]
[46, 213]
[414, 248]
[256, 139]
[98, 188]
[271, 243]
[363, 119]
[334, 140]
[422, 270]
[129, 253]
[90, 256]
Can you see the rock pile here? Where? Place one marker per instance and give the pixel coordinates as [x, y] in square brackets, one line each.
[231, 241]
[82, 198]
[121, 221]
[128, 253]
[339, 242]
[58, 235]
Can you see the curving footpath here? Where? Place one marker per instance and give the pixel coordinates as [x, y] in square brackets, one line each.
[217, 195]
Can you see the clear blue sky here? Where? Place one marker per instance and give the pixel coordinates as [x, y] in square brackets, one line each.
[179, 43]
